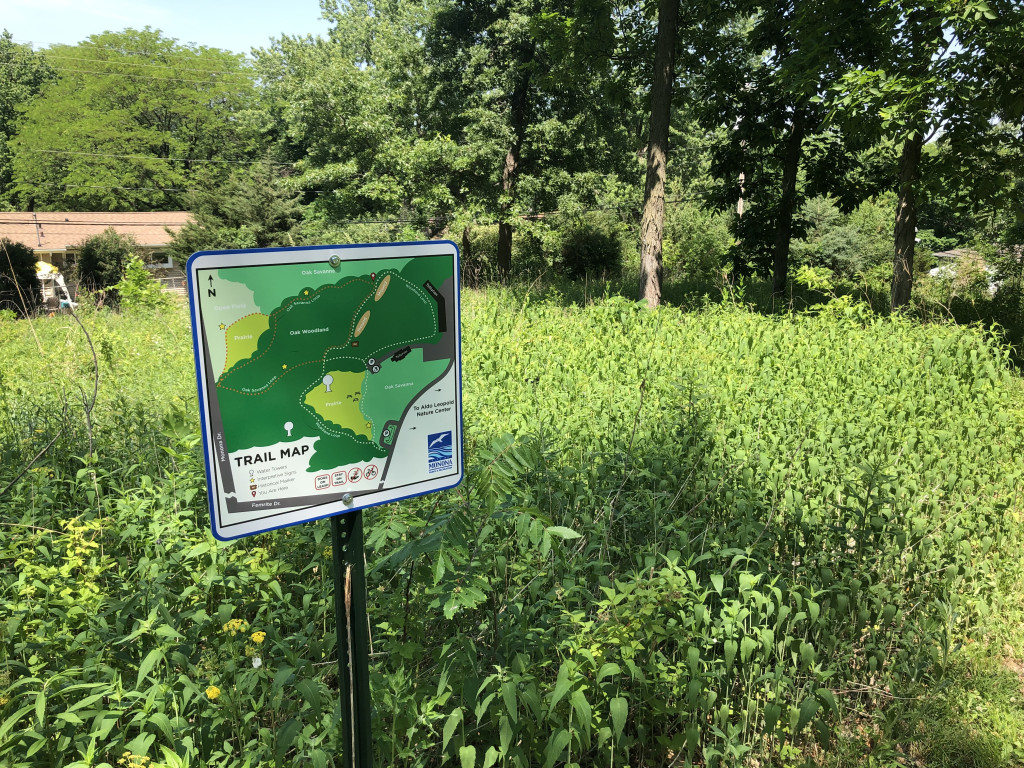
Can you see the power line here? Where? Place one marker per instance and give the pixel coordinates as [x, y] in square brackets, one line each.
[33, 183]
[204, 71]
[151, 157]
[226, 80]
[53, 223]
[118, 49]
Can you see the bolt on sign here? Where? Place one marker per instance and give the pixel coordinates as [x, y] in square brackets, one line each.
[329, 379]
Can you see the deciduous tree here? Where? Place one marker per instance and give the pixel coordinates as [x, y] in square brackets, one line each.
[19, 286]
[131, 122]
[22, 74]
[945, 72]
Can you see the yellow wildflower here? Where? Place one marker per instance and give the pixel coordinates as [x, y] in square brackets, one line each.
[212, 692]
[234, 626]
[259, 637]
[130, 760]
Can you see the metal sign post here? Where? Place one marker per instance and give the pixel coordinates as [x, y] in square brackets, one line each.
[353, 638]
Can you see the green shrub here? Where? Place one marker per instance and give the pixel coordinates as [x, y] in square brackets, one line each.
[696, 243]
[20, 290]
[591, 246]
[848, 245]
[713, 551]
[137, 288]
[102, 260]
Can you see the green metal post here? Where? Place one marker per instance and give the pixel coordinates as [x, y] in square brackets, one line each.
[353, 638]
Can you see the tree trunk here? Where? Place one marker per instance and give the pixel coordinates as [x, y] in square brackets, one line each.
[466, 244]
[509, 175]
[652, 225]
[906, 223]
[784, 225]
[518, 109]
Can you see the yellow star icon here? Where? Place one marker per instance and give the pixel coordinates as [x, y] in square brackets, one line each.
[222, 326]
[284, 367]
[305, 293]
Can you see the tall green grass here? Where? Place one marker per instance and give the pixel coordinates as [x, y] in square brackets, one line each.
[685, 538]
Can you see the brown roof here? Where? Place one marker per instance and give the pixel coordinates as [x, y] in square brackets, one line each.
[56, 231]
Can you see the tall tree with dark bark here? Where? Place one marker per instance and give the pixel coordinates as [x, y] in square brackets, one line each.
[520, 85]
[764, 85]
[652, 224]
[945, 73]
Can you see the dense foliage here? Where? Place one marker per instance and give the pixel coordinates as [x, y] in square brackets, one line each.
[102, 259]
[19, 287]
[685, 537]
[419, 119]
[130, 121]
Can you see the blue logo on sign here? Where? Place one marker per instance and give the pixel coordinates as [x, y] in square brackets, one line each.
[439, 452]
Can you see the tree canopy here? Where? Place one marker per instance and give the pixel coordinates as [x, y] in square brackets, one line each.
[131, 121]
[483, 120]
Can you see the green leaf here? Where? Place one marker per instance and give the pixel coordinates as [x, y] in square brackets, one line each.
[310, 691]
[718, 582]
[618, 708]
[808, 708]
[730, 647]
[285, 738]
[556, 745]
[491, 757]
[608, 668]
[562, 684]
[147, 664]
[562, 532]
[822, 733]
[508, 694]
[584, 714]
[70, 717]
[467, 756]
[449, 727]
[161, 721]
[825, 695]
[747, 647]
[10, 721]
[41, 707]
[281, 677]
[807, 654]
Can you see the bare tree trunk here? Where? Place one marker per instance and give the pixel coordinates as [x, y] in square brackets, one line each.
[508, 182]
[652, 225]
[784, 226]
[906, 223]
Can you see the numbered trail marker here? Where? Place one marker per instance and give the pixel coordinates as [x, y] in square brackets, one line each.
[354, 349]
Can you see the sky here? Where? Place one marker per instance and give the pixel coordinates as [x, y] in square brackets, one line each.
[236, 25]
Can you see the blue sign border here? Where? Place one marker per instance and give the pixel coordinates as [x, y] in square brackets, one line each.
[202, 399]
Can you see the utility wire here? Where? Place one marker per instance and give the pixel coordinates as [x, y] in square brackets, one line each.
[55, 223]
[116, 48]
[105, 186]
[151, 157]
[34, 183]
[154, 64]
[245, 78]
[536, 216]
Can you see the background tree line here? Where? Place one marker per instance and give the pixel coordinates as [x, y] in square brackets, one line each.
[753, 136]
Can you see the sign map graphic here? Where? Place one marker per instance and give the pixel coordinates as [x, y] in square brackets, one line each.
[329, 379]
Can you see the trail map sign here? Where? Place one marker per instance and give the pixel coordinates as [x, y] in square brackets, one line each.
[329, 379]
